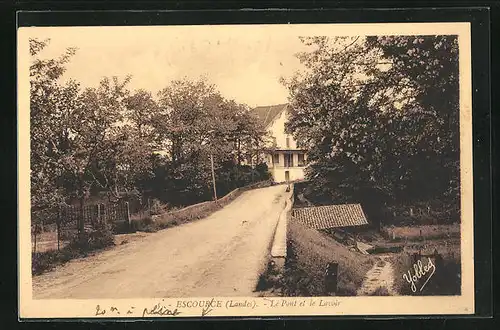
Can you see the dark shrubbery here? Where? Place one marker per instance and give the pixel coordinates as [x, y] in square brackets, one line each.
[44, 261]
[380, 291]
[382, 210]
[271, 280]
[230, 176]
[445, 281]
[98, 238]
[191, 188]
[146, 225]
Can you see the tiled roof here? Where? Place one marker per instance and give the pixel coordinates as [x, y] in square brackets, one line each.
[268, 113]
[331, 216]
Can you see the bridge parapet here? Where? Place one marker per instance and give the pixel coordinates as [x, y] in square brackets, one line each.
[278, 249]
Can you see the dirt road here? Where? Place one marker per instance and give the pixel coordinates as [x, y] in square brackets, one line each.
[221, 255]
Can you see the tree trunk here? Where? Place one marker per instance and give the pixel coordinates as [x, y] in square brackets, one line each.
[258, 151]
[34, 241]
[239, 152]
[58, 227]
[213, 176]
[81, 224]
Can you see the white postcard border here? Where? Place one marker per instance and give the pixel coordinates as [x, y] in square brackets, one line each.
[296, 306]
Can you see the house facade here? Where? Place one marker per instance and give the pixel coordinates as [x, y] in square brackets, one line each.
[287, 161]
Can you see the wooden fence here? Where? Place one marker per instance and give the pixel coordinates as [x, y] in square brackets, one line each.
[53, 228]
[95, 214]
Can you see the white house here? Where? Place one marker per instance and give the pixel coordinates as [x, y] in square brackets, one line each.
[287, 162]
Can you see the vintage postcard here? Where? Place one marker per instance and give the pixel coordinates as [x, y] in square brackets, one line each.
[245, 170]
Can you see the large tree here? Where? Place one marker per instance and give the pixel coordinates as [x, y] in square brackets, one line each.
[141, 108]
[429, 66]
[106, 151]
[195, 124]
[107, 138]
[82, 141]
[50, 105]
[379, 116]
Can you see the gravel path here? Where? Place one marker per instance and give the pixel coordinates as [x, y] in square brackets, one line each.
[221, 255]
[379, 276]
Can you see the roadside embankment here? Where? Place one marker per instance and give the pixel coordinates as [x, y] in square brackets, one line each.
[299, 258]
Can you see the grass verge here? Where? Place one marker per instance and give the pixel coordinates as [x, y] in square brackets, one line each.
[416, 233]
[309, 252]
[78, 247]
[179, 217]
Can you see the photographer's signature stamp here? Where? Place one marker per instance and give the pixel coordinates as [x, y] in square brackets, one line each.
[420, 272]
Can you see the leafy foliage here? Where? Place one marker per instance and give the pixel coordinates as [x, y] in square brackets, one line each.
[98, 238]
[379, 116]
[126, 144]
[193, 123]
[48, 107]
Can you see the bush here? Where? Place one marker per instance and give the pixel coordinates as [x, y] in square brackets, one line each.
[157, 207]
[271, 279]
[79, 246]
[145, 224]
[97, 238]
[263, 172]
[380, 291]
[447, 279]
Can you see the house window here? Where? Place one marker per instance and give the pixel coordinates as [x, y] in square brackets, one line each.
[287, 142]
[301, 160]
[276, 158]
[288, 160]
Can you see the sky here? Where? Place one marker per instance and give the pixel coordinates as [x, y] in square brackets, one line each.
[245, 63]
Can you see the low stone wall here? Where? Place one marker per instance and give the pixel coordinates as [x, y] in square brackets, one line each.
[191, 207]
[230, 196]
[257, 185]
[278, 249]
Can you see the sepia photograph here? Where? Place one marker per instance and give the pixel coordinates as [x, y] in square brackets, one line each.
[245, 170]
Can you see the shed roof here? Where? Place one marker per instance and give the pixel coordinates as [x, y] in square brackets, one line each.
[331, 216]
[268, 113]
